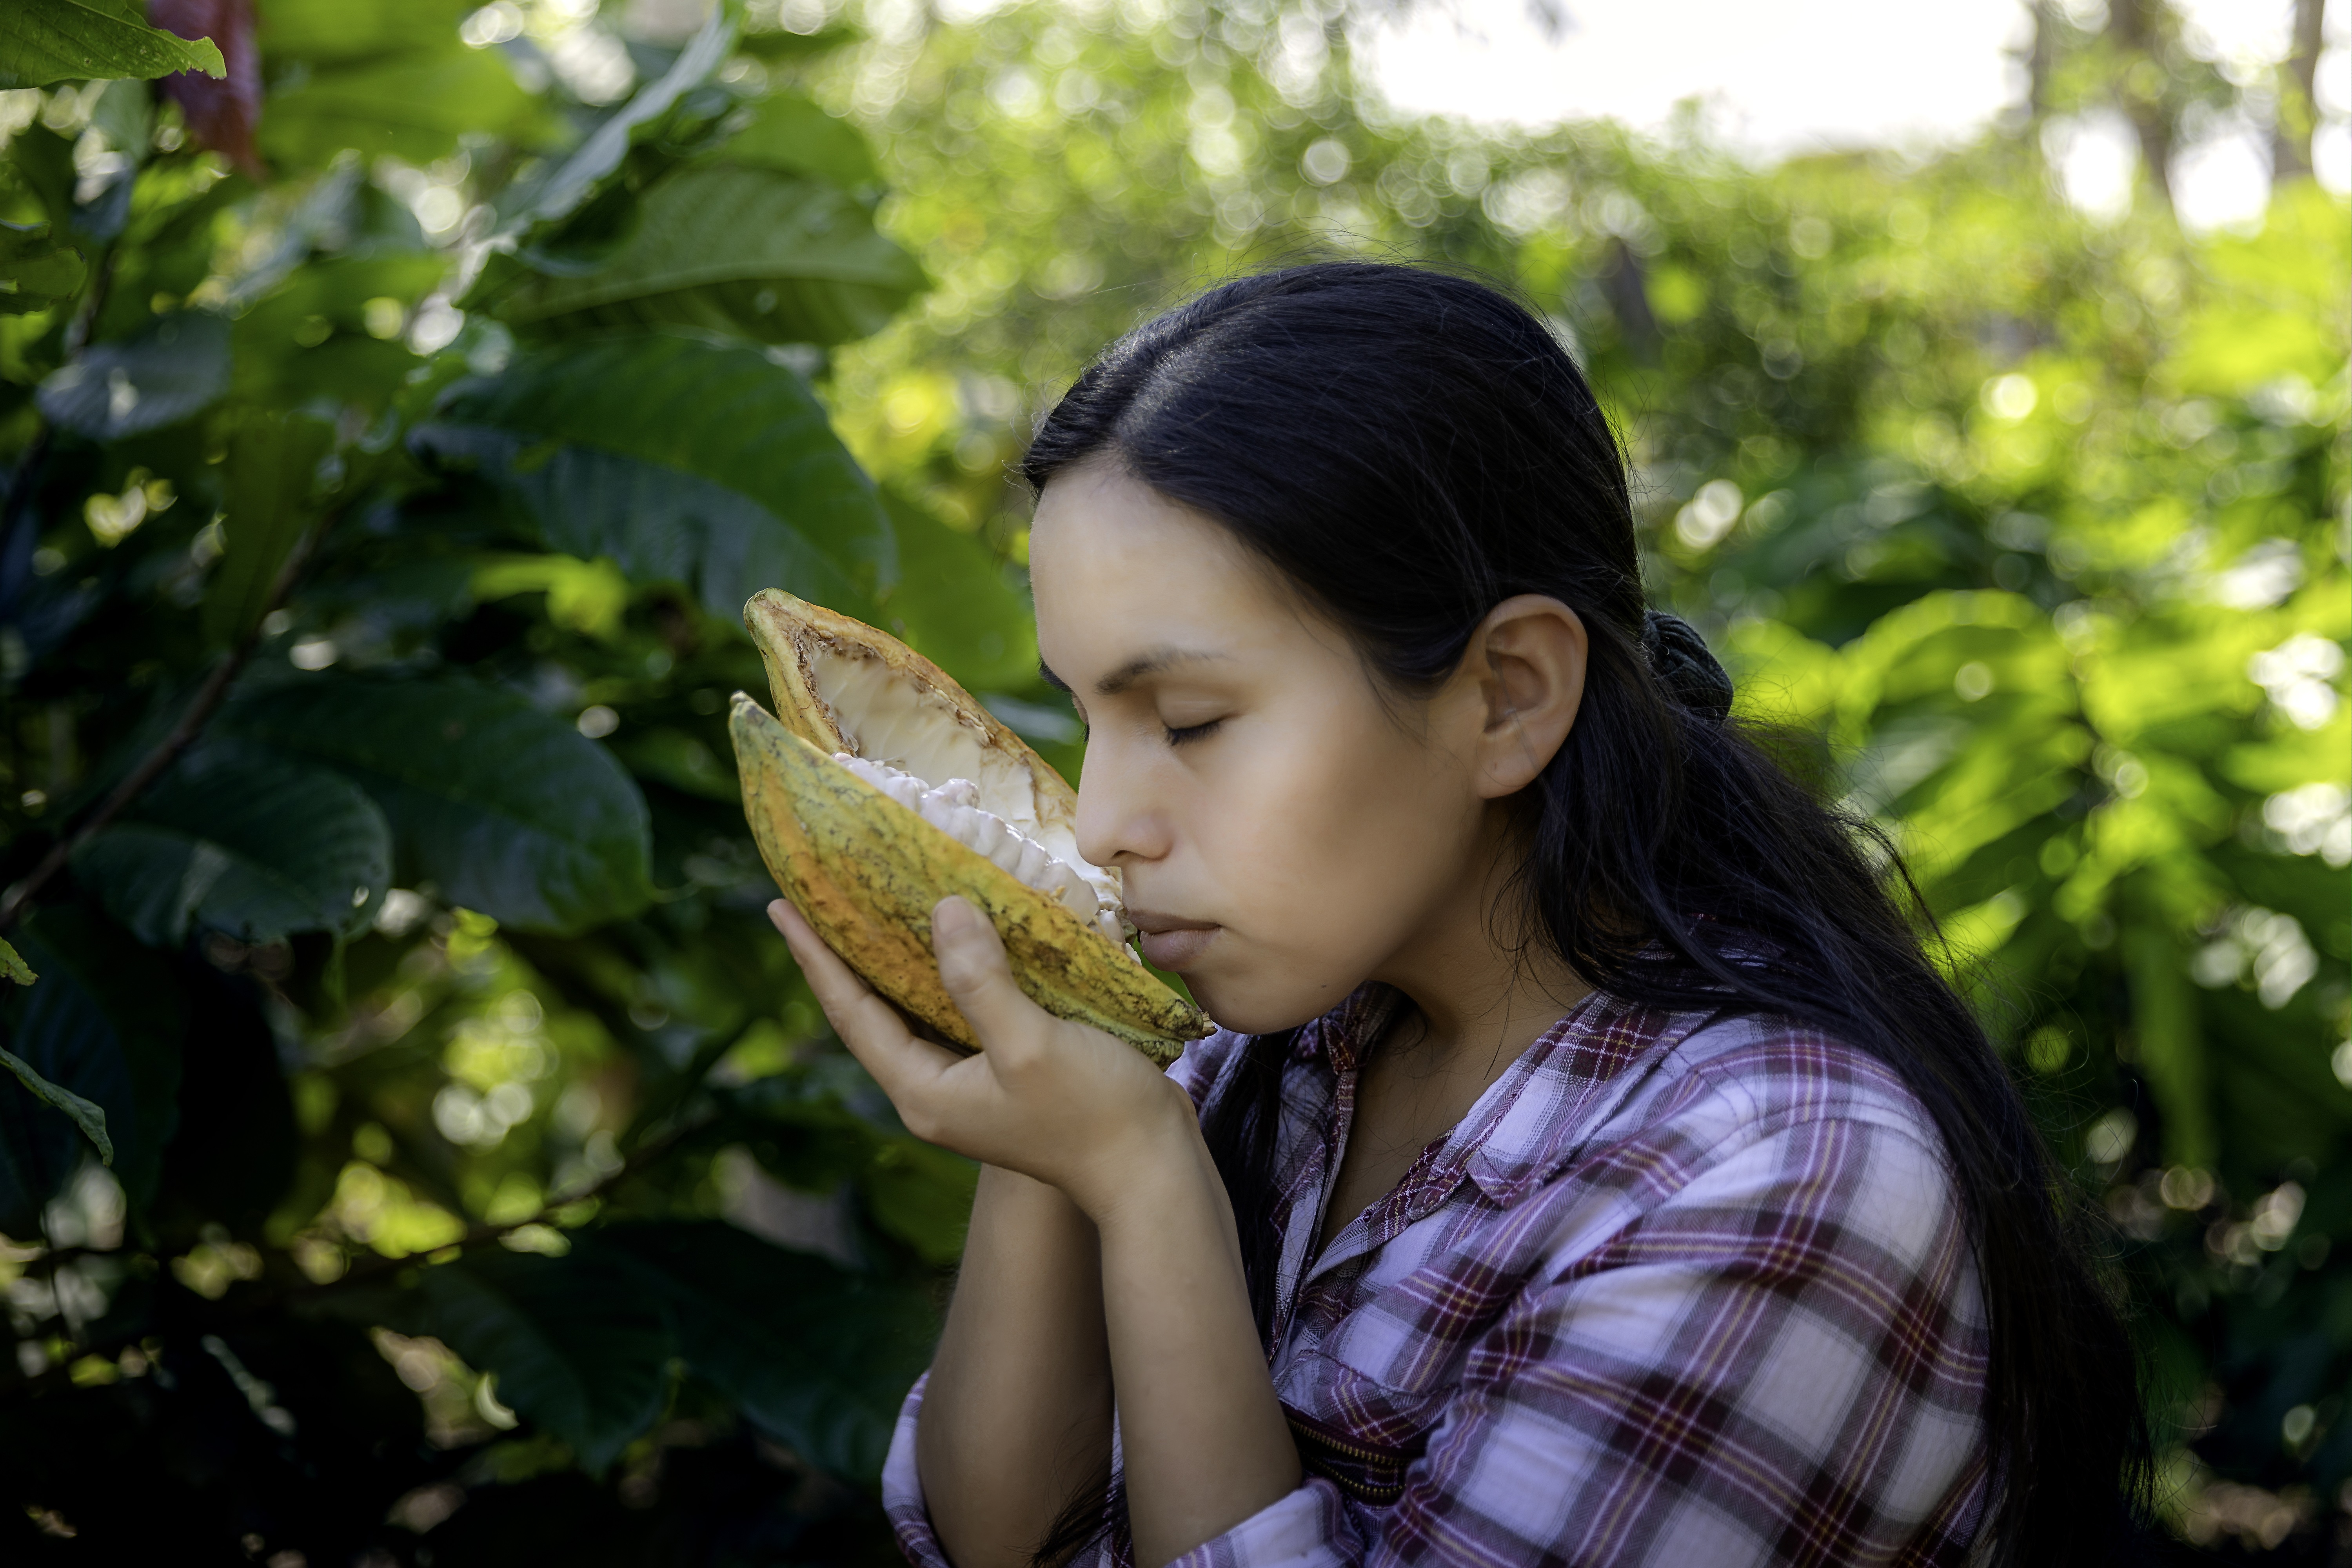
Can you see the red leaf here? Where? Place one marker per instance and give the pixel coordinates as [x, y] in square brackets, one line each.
[223, 114]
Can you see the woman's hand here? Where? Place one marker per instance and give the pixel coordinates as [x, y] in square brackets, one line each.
[1066, 1104]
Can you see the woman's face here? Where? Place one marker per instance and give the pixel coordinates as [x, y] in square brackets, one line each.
[1283, 833]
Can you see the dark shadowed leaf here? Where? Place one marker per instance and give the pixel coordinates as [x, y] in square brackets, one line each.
[735, 248]
[242, 840]
[86, 1114]
[739, 484]
[105, 1024]
[42, 41]
[580, 1344]
[817, 1355]
[504, 809]
[178, 367]
[271, 459]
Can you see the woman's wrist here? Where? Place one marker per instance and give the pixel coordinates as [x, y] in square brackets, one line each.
[1134, 1172]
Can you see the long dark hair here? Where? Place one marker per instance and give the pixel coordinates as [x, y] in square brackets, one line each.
[1410, 448]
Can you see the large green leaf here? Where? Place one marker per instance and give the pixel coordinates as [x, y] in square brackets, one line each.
[568, 183]
[958, 601]
[409, 106]
[734, 249]
[42, 41]
[817, 1355]
[738, 484]
[580, 1346]
[336, 31]
[177, 366]
[104, 1024]
[242, 840]
[791, 132]
[271, 460]
[36, 272]
[504, 809]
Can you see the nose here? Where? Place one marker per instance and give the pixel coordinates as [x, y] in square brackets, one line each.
[1120, 821]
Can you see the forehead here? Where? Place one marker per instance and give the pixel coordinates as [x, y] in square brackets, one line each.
[1116, 566]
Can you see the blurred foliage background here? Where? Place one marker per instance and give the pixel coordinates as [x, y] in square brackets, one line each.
[417, 1149]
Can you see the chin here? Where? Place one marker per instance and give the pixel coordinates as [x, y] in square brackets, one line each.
[1248, 1009]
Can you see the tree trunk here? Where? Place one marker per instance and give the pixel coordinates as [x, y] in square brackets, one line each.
[2039, 57]
[2133, 25]
[2298, 108]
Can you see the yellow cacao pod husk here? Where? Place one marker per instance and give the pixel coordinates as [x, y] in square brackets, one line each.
[866, 870]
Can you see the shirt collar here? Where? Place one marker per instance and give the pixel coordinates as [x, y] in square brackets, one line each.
[1533, 1119]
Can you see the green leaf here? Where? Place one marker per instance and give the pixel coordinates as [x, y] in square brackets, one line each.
[35, 273]
[778, 45]
[504, 809]
[105, 1024]
[271, 461]
[86, 1114]
[736, 249]
[922, 1195]
[12, 967]
[818, 1356]
[334, 31]
[414, 107]
[42, 41]
[570, 183]
[240, 839]
[177, 366]
[959, 605]
[740, 484]
[580, 1345]
[790, 132]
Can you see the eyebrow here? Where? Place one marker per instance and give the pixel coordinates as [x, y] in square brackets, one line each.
[1152, 661]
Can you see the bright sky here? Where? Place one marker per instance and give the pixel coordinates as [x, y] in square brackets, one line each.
[1793, 76]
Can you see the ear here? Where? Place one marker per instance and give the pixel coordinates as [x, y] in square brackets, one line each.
[1528, 659]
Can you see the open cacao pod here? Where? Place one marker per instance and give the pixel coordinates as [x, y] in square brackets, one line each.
[880, 787]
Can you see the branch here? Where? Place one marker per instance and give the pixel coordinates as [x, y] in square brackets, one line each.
[208, 699]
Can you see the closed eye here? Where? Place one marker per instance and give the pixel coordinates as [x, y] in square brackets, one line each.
[1193, 733]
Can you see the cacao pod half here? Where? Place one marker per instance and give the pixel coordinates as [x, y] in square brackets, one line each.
[880, 787]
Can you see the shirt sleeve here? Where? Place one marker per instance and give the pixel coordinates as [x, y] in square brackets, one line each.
[902, 1487]
[1782, 1361]
[902, 1483]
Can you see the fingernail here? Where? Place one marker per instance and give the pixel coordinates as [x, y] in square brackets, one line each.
[953, 917]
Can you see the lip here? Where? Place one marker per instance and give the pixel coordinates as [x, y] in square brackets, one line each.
[1170, 941]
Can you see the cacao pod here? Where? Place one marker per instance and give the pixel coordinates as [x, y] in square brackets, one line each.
[880, 787]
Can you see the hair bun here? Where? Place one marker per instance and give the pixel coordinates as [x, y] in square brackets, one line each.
[1681, 660]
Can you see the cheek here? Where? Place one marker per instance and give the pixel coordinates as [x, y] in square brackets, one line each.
[1330, 848]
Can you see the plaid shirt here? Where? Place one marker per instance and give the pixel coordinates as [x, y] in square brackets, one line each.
[1672, 1292]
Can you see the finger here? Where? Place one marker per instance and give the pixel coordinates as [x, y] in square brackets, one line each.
[872, 1029]
[973, 968]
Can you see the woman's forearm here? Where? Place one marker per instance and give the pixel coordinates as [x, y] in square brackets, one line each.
[1017, 1415]
[1204, 1442]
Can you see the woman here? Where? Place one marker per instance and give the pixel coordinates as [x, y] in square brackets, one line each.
[1593, 1169]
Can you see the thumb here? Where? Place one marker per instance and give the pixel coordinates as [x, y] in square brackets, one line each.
[973, 968]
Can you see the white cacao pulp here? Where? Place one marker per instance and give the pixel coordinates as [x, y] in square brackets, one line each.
[955, 810]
